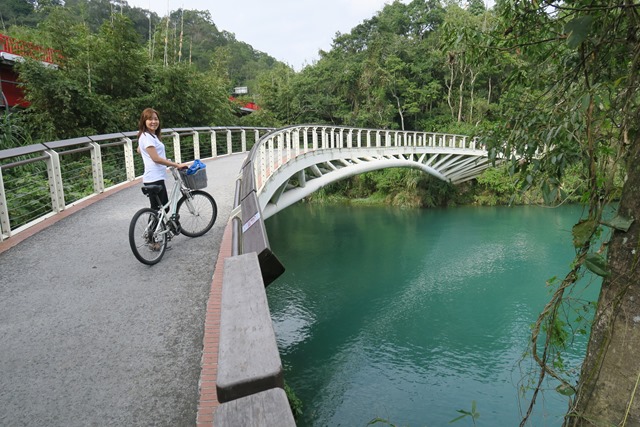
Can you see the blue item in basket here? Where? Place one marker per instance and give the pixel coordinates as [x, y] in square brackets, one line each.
[195, 167]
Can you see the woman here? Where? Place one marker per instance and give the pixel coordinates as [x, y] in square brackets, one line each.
[153, 154]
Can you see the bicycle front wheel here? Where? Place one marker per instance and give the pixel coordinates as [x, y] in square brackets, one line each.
[197, 212]
[147, 239]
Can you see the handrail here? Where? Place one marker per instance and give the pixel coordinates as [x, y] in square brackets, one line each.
[28, 49]
[41, 180]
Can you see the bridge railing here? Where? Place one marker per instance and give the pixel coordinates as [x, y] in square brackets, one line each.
[30, 50]
[41, 180]
[281, 146]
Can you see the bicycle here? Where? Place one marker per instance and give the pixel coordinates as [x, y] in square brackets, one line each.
[189, 211]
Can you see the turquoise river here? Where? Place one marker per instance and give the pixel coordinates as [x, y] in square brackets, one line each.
[409, 316]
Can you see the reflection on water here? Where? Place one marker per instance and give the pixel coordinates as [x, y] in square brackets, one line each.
[293, 322]
[410, 315]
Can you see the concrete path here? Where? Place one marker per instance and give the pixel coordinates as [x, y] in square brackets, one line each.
[89, 336]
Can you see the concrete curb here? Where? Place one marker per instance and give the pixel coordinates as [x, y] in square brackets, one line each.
[208, 401]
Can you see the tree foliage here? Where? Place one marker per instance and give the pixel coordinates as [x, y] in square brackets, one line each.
[576, 83]
[114, 60]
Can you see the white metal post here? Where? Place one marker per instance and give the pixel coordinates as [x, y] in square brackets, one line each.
[296, 142]
[214, 144]
[271, 149]
[314, 139]
[305, 139]
[279, 152]
[263, 166]
[287, 145]
[5, 225]
[96, 168]
[54, 175]
[128, 159]
[196, 145]
[243, 140]
[229, 142]
[176, 147]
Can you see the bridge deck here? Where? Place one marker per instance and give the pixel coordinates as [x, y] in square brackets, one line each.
[90, 336]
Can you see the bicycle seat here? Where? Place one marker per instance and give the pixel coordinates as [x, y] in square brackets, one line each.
[148, 190]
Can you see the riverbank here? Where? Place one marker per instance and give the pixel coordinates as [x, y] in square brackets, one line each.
[407, 188]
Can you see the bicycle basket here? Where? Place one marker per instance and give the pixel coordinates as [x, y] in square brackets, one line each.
[195, 181]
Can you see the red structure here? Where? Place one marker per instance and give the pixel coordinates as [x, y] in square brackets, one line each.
[245, 107]
[12, 51]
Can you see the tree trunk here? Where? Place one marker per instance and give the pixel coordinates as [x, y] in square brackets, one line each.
[608, 391]
[399, 110]
[166, 43]
[472, 83]
[461, 96]
[181, 36]
[450, 88]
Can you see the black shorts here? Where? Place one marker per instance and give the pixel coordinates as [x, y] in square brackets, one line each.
[164, 198]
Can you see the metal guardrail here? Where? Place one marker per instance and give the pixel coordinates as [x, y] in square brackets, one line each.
[23, 48]
[42, 180]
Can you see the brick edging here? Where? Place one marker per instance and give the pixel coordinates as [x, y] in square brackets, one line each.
[208, 399]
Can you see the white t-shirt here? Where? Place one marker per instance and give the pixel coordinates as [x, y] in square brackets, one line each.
[152, 170]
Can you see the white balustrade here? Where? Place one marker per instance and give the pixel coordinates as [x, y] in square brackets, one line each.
[107, 161]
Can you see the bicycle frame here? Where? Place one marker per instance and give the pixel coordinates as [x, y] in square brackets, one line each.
[167, 212]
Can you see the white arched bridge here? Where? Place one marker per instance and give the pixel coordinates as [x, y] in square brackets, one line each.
[291, 163]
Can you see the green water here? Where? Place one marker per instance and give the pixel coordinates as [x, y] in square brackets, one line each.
[410, 315]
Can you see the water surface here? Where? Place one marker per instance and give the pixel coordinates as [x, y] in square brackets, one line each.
[410, 315]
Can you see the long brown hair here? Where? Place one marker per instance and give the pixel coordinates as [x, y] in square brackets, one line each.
[142, 124]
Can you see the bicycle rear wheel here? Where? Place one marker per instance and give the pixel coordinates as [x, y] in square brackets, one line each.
[147, 244]
[197, 212]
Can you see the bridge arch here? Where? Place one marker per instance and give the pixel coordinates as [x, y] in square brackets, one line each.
[291, 163]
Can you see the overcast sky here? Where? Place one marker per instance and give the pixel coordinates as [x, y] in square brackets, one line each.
[291, 31]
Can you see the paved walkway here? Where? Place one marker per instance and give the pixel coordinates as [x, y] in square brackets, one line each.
[89, 336]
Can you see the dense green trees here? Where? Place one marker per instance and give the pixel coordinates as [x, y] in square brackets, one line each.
[115, 60]
[416, 66]
[421, 65]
